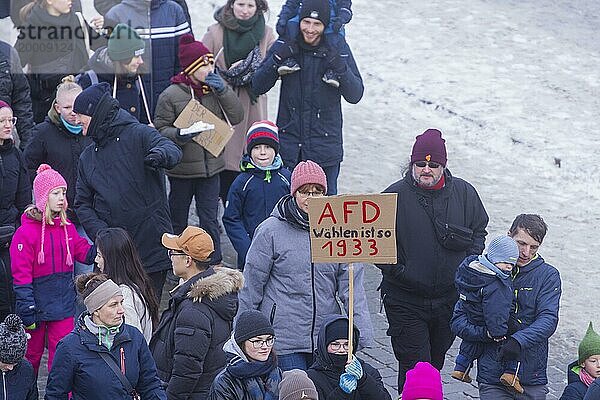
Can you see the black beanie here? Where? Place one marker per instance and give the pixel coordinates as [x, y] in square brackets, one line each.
[87, 101]
[338, 329]
[251, 323]
[317, 9]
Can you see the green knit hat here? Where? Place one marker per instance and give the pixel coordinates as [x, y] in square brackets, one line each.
[590, 344]
[124, 43]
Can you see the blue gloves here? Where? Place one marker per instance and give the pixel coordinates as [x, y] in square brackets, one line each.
[349, 379]
[215, 82]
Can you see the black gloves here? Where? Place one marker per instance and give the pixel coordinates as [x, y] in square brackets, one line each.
[153, 159]
[283, 50]
[335, 61]
[510, 350]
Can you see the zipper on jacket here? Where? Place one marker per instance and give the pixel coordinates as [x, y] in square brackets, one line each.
[314, 304]
[52, 251]
[122, 360]
[4, 385]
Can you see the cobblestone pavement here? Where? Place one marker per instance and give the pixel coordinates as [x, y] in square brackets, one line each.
[380, 356]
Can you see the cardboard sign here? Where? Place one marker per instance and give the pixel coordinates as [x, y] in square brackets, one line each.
[353, 228]
[218, 131]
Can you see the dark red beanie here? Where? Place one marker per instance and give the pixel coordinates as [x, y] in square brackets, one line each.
[191, 54]
[429, 146]
[4, 104]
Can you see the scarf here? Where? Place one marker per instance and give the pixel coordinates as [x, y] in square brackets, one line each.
[247, 164]
[252, 375]
[199, 89]
[106, 336]
[241, 36]
[290, 212]
[585, 377]
[74, 129]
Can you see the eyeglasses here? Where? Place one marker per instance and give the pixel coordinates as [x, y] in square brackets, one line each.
[335, 346]
[316, 193]
[173, 253]
[11, 121]
[431, 164]
[258, 343]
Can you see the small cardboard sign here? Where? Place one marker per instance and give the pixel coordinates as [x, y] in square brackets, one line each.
[353, 228]
[218, 131]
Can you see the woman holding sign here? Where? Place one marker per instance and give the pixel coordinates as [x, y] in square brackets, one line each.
[197, 175]
[283, 283]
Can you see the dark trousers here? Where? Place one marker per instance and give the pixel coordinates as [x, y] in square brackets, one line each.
[205, 192]
[7, 299]
[226, 179]
[332, 174]
[157, 279]
[419, 330]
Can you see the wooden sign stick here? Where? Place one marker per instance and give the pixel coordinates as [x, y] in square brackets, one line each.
[350, 310]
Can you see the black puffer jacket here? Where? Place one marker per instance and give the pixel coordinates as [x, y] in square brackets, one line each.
[188, 343]
[425, 268]
[15, 189]
[14, 90]
[52, 144]
[115, 188]
[325, 373]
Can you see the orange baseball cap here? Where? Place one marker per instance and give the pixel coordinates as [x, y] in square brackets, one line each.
[193, 241]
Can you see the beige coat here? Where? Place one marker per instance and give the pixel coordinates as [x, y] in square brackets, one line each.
[235, 148]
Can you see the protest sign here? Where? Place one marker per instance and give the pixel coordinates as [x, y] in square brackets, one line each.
[353, 228]
[218, 131]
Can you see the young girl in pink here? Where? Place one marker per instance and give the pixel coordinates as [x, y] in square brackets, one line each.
[42, 253]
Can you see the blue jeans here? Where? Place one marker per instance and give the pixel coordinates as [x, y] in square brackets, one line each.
[295, 361]
[332, 174]
[499, 392]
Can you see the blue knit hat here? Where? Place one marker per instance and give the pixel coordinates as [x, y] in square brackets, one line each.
[87, 101]
[503, 249]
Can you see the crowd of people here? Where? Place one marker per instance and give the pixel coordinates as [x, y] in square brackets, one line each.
[91, 133]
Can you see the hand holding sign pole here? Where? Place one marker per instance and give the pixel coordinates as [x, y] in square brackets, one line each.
[353, 228]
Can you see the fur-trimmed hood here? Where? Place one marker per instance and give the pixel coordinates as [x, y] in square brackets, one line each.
[223, 281]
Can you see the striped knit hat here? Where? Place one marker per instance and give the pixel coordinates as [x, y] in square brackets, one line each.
[262, 132]
[193, 54]
[46, 181]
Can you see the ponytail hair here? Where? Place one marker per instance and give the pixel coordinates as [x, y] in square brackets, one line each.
[25, 11]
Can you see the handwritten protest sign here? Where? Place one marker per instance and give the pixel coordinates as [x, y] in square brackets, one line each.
[353, 228]
[214, 139]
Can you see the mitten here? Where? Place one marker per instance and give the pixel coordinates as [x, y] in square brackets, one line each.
[344, 15]
[510, 350]
[283, 50]
[31, 327]
[335, 61]
[354, 368]
[152, 159]
[348, 382]
[215, 82]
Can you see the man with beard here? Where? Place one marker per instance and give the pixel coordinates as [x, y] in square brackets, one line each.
[440, 220]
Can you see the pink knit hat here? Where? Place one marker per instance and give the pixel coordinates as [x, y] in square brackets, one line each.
[45, 181]
[307, 172]
[423, 382]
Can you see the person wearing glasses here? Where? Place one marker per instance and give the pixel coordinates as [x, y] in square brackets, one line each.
[252, 372]
[335, 377]
[15, 196]
[440, 220]
[188, 342]
[283, 283]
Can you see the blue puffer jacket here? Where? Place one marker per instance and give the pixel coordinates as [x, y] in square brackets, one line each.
[537, 288]
[250, 201]
[310, 111]
[593, 392]
[485, 296]
[20, 383]
[575, 389]
[167, 21]
[78, 367]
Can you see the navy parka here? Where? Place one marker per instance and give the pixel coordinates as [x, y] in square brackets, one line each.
[310, 111]
[20, 383]
[115, 188]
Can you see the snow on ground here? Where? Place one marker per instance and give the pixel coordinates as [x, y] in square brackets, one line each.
[514, 87]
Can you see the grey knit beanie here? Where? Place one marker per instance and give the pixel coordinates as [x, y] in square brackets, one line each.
[251, 323]
[296, 385]
[13, 340]
[503, 249]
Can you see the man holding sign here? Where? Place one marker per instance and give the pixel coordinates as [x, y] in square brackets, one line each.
[440, 220]
[282, 282]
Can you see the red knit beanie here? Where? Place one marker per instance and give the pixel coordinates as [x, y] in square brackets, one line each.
[423, 382]
[193, 54]
[429, 146]
[307, 172]
[4, 104]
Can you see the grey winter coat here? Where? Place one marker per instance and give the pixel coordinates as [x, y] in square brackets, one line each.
[196, 161]
[279, 275]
